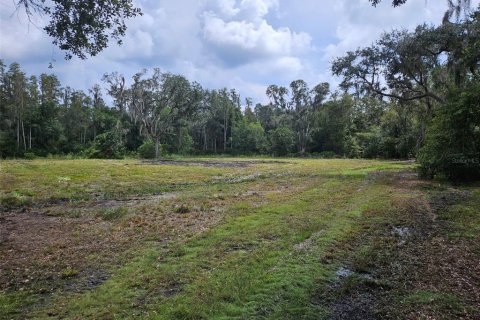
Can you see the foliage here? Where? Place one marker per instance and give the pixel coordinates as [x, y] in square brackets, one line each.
[147, 150]
[452, 148]
[282, 141]
[83, 28]
[394, 92]
[185, 144]
[159, 102]
[108, 145]
[433, 71]
[248, 138]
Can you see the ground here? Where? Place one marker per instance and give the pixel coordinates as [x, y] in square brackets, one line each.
[235, 239]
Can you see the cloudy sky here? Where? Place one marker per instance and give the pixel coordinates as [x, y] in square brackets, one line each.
[242, 44]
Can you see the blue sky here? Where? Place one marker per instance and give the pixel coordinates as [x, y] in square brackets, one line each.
[242, 44]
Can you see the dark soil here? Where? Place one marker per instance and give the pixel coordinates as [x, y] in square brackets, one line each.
[45, 252]
[211, 163]
[409, 253]
[41, 251]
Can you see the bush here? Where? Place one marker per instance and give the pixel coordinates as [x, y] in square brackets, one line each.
[282, 141]
[248, 137]
[108, 145]
[29, 155]
[327, 155]
[370, 143]
[147, 150]
[186, 142]
[452, 147]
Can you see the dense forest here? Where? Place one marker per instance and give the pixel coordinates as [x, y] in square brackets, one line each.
[411, 94]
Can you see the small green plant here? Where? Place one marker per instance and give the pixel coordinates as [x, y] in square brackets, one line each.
[183, 208]
[69, 272]
[108, 145]
[440, 301]
[113, 213]
[15, 199]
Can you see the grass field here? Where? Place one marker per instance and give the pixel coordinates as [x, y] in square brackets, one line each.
[226, 238]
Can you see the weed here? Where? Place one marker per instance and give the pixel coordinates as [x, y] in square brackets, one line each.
[16, 199]
[182, 208]
[248, 241]
[438, 301]
[69, 272]
[115, 213]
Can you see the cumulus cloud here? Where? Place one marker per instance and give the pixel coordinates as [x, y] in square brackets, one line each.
[21, 37]
[239, 33]
[258, 40]
[242, 44]
[360, 24]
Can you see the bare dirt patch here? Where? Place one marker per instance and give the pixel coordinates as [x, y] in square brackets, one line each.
[45, 252]
[37, 249]
[410, 252]
[212, 163]
[129, 202]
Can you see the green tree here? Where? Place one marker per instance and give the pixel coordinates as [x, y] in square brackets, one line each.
[157, 103]
[248, 137]
[83, 27]
[331, 124]
[452, 149]
[282, 141]
[108, 145]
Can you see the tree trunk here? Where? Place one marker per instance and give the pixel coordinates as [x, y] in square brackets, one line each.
[179, 139]
[18, 133]
[24, 139]
[30, 138]
[224, 136]
[225, 124]
[157, 147]
[205, 146]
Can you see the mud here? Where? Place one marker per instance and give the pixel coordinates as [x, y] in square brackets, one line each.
[128, 202]
[88, 279]
[360, 306]
[211, 163]
[416, 255]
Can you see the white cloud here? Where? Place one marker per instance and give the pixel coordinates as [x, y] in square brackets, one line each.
[360, 24]
[238, 32]
[245, 44]
[261, 39]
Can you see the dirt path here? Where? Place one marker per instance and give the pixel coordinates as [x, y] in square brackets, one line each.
[409, 253]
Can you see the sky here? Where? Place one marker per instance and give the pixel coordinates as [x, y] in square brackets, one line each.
[241, 44]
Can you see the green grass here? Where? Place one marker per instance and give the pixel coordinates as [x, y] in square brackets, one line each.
[440, 302]
[246, 267]
[84, 179]
[272, 236]
[463, 218]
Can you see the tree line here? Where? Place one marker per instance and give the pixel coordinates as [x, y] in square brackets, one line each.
[159, 112]
[411, 94]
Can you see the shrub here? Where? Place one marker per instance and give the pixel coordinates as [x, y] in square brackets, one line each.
[452, 147]
[108, 145]
[147, 150]
[282, 141]
[186, 142]
[29, 155]
[327, 155]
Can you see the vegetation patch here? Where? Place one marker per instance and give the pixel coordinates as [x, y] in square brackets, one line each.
[308, 238]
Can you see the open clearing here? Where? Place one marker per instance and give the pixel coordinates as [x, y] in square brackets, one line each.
[235, 239]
